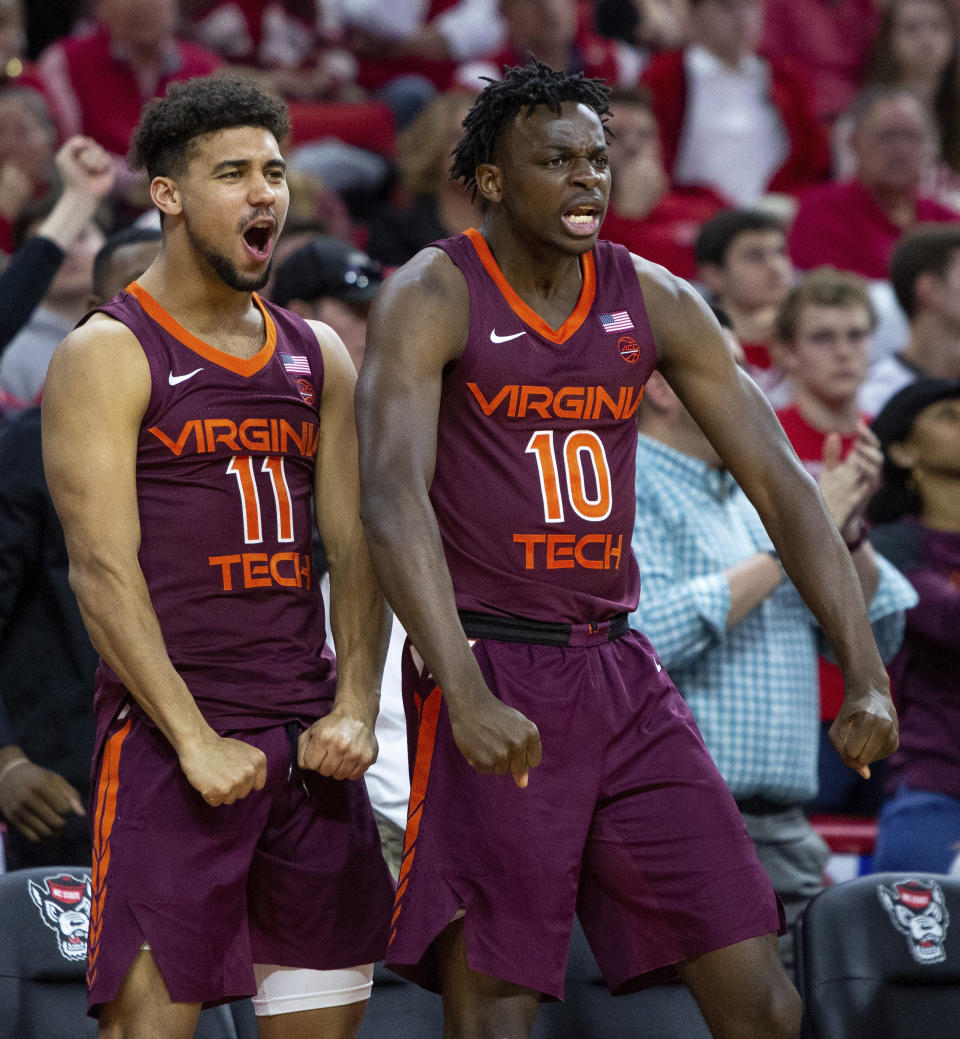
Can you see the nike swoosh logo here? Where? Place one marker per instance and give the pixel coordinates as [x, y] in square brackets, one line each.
[494, 338]
[174, 379]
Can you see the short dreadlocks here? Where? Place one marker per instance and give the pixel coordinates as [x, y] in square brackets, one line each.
[523, 87]
[170, 125]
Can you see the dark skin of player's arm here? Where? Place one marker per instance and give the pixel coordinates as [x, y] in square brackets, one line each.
[342, 744]
[417, 326]
[96, 393]
[746, 434]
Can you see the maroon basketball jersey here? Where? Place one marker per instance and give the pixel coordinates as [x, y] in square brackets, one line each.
[225, 469]
[534, 485]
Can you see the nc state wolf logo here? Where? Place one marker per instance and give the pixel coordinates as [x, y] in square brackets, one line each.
[64, 904]
[918, 910]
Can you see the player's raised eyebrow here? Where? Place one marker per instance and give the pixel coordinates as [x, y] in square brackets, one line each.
[244, 163]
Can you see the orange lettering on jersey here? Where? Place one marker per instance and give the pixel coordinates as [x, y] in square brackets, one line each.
[568, 402]
[302, 440]
[575, 409]
[613, 553]
[303, 572]
[604, 398]
[560, 551]
[254, 434]
[256, 571]
[529, 541]
[227, 437]
[567, 551]
[289, 580]
[529, 403]
[193, 426]
[489, 407]
[225, 563]
[586, 561]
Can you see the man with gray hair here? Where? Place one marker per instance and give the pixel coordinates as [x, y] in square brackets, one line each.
[855, 225]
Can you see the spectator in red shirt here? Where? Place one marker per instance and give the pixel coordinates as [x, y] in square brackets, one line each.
[294, 47]
[560, 33]
[830, 39]
[743, 264]
[740, 122]
[824, 329]
[99, 82]
[855, 225]
[645, 214]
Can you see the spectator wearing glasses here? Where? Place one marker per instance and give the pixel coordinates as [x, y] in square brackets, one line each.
[855, 225]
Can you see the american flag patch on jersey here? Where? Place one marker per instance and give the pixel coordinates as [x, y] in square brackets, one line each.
[299, 362]
[618, 321]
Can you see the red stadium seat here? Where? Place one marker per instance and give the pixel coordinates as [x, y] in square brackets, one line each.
[367, 125]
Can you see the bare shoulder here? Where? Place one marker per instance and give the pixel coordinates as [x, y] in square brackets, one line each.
[100, 359]
[680, 319]
[423, 304]
[429, 273]
[668, 298]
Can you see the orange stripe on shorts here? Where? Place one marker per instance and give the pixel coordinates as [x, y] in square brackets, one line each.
[429, 711]
[104, 815]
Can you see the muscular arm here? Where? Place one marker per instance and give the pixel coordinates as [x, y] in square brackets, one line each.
[96, 392]
[417, 326]
[342, 744]
[745, 432]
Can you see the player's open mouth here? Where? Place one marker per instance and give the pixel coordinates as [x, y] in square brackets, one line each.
[582, 220]
[258, 237]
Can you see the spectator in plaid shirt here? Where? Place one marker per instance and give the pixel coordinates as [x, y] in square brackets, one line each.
[736, 637]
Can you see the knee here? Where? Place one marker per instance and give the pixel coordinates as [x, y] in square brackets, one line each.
[485, 1027]
[125, 1030]
[775, 1015]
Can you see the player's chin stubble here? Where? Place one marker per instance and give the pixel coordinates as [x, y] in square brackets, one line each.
[226, 271]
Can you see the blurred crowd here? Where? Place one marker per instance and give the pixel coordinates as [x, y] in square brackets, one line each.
[798, 160]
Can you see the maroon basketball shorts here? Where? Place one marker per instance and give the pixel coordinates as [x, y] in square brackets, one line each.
[626, 822]
[289, 875]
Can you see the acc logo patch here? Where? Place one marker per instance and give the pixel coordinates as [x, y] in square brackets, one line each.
[629, 349]
[917, 909]
[64, 903]
[306, 391]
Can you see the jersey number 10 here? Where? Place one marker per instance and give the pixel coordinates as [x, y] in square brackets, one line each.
[581, 447]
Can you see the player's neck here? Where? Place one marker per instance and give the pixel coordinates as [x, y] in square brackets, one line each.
[839, 416]
[184, 288]
[534, 270]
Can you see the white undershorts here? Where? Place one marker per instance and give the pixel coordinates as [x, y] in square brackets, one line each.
[288, 990]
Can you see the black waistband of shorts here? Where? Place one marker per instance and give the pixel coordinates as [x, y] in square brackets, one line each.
[762, 806]
[546, 633]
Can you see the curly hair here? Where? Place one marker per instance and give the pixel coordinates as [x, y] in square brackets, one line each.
[169, 126]
[522, 87]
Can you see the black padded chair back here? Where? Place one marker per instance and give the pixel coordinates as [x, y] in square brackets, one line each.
[44, 926]
[878, 957]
